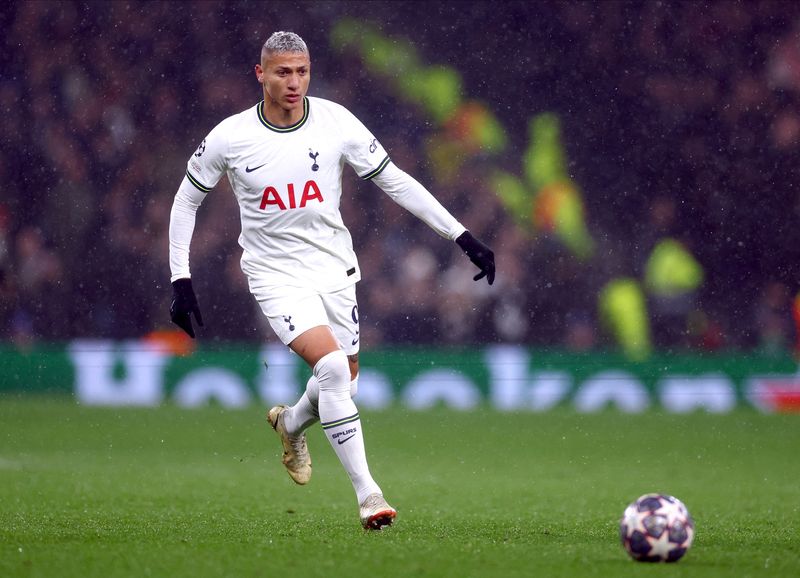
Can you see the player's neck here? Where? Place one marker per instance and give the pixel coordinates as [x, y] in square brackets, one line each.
[280, 116]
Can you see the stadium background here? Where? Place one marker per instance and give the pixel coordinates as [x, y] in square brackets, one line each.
[574, 137]
[678, 121]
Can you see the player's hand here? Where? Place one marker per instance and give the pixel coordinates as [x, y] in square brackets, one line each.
[481, 255]
[184, 303]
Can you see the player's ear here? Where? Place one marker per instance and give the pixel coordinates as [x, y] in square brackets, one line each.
[259, 73]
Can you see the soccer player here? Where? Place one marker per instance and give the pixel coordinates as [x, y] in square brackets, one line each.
[284, 159]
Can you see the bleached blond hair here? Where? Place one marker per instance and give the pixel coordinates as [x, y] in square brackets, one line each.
[282, 41]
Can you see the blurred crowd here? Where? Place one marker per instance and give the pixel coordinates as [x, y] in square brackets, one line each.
[679, 120]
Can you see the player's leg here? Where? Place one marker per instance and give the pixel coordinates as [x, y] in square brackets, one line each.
[290, 314]
[342, 308]
[374, 511]
[337, 410]
[302, 323]
[304, 413]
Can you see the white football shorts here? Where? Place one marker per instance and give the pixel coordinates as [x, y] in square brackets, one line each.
[291, 311]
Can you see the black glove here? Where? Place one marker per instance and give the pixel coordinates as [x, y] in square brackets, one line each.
[184, 303]
[478, 253]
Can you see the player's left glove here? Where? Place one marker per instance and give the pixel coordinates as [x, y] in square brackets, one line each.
[184, 303]
[481, 255]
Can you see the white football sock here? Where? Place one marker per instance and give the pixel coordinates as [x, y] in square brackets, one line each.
[304, 413]
[341, 423]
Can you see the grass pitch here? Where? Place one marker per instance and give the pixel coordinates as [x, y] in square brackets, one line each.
[172, 492]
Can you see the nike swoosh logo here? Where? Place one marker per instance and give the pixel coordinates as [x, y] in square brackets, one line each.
[354, 341]
[249, 170]
[340, 441]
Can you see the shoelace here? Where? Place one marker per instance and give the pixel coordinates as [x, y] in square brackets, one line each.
[372, 502]
[299, 447]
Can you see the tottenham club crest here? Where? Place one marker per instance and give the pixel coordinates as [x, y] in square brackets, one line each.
[313, 155]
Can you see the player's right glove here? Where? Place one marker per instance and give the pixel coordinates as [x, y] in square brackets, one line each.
[184, 303]
[481, 255]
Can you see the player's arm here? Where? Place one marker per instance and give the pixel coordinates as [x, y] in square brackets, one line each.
[204, 169]
[406, 191]
[370, 160]
[181, 228]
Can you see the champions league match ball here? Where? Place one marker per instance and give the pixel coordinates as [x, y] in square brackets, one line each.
[656, 528]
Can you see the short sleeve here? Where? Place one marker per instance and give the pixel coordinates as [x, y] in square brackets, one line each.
[207, 164]
[363, 151]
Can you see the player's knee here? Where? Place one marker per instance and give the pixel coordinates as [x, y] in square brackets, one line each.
[333, 372]
[312, 389]
[352, 359]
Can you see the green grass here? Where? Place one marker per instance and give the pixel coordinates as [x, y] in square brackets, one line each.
[171, 492]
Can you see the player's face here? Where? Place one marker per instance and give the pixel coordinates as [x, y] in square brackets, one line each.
[285, 77]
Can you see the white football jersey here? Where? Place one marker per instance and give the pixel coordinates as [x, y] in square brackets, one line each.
[288, 182]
